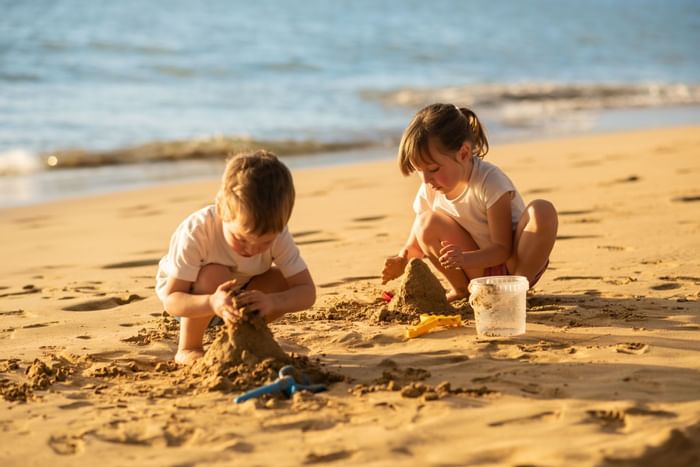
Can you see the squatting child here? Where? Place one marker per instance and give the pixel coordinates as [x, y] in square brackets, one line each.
[231, 246]
[470, 219]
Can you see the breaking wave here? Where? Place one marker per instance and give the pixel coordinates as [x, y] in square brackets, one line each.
[525, 101]
[19, 161]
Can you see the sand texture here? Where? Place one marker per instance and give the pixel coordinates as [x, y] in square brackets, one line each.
[607, 374]
[420, 292]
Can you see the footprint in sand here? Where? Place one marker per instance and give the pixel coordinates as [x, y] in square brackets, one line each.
[314, 241]
[309, 424]
[635, 348]
[313, 458]
[325, 238]
[547, 415]
[611, 247]
[305, 233]
[146, 433]
[622, 280]
[694, 279]
[104, 304]
[369, 218]
[538, 191]
[576, 237]
[608, 420]
[12, 313]
[39, 325]
[666, 286]
[133, 264]
[644, 412]
[585, 220]
[66, 445]
[75, 405]
[579, 212]
[240, 446]
[686, 199]
[26, 290]
[578, 278]
[628, 179]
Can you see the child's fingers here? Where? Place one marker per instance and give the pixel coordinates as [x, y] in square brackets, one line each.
[446, 249]
[228, 285]
[229, 315]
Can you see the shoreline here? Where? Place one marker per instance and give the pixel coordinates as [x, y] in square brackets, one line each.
[608, 370]
[65, 183]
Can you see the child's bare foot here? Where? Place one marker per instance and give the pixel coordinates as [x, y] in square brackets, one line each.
[454, 295]
[187, 356]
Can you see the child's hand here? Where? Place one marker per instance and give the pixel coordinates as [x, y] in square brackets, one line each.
[451, 256]
[222, 302]
[393, 268]
[255, 300]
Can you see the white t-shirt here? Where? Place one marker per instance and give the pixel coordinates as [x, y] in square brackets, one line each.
[487, 184]
[199, 240]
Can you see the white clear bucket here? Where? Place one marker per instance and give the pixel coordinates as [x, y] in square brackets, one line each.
[499, 304]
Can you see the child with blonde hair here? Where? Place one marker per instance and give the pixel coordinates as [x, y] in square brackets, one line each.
[470, 219]
[231, 246]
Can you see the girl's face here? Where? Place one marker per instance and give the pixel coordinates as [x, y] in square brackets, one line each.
[245, 243]
[450, 170]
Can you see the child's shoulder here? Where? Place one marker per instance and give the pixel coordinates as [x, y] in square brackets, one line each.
[201, 217]
[486, 170]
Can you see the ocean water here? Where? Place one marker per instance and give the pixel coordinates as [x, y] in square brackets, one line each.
[98, 76]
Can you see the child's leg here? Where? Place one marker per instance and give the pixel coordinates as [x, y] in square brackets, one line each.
[431, 229]
[271, 281]
[534, 240]
[192, 329]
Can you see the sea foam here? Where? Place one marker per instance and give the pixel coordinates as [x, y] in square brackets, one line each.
[19, 161]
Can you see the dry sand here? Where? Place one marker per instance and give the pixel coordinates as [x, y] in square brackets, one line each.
[607, 374]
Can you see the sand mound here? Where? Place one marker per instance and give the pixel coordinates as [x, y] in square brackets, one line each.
[420, 292]
[245, 356]
[249, 341]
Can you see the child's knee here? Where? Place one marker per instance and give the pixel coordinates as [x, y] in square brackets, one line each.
[210, 277]
[544, 213]
[270, 281]
[429, 224]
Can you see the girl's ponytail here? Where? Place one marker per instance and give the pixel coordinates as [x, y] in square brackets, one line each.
[450, 125]
[480, 145]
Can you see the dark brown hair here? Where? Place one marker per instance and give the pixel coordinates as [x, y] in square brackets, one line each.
[259, 187]
[452, 126]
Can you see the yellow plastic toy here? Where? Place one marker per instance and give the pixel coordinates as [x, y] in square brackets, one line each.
[428, 322]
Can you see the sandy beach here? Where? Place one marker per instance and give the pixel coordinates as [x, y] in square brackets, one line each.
[608, 372]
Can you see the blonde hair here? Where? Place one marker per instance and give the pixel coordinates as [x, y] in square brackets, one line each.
[452, 126]
[259, 187]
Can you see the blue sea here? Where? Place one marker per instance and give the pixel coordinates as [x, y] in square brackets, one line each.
[99, 76]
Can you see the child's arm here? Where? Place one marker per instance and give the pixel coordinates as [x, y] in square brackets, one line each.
[180, 302]
[500, 229]
[300, 295]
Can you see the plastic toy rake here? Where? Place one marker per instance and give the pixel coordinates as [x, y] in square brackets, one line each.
[285, 384]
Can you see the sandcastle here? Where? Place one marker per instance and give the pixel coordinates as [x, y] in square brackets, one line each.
[420, 292]
[248, 342]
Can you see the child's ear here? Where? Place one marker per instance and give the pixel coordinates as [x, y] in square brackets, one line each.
[465, 152]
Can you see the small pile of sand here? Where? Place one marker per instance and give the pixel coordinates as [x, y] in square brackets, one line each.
[246, 355]
[420, 292]
[249, 341]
